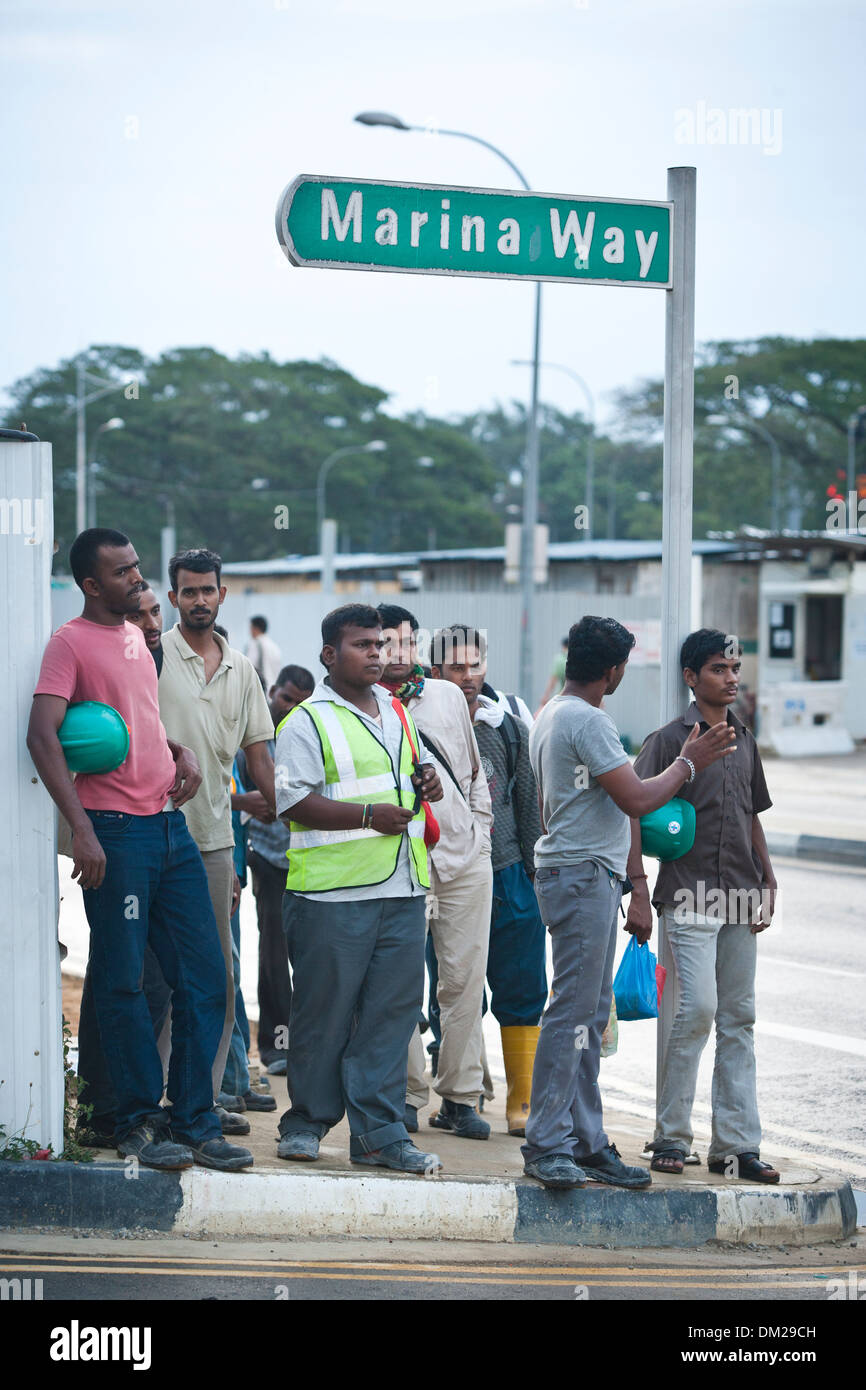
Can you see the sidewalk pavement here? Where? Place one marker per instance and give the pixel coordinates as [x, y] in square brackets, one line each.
[819, 808]
[481, 1195]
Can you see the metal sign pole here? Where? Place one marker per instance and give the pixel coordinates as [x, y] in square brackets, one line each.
[677, 501]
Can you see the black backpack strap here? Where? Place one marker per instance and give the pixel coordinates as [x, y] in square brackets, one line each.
[440, 757]
[513, 705]
[511, 738]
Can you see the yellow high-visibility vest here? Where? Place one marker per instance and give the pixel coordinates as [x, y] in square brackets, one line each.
[358, 768]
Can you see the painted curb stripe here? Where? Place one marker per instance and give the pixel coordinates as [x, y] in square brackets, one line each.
[303, 1205]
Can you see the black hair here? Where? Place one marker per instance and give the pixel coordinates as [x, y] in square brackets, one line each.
[445, 639]
[197, 562]
[392, 615]
[701, 645]
[299, 677]
[84, 551]
[260, 623]
[594, 646]
[218, 627]
[350, 615]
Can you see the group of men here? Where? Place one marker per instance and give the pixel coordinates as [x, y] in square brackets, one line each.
[392, 812]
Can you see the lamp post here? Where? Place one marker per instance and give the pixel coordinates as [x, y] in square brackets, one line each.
[530, 474]
[590, 442]
[114, 424]
[82, 400]
[745, 422]
[326, 550]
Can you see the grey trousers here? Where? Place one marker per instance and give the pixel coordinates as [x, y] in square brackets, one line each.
[579, 905]
[219, 867]
[716, 983]
[358, 983]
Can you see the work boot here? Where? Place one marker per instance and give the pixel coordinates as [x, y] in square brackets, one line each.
[402, 1156]
[255, 1100]
[299, 1145]
[153, 1146]
[235, 1105]
[231, 1123]
[555, 1170]
[607, 1166]
[518, 1052]
[217, 1153]
[462, 1120]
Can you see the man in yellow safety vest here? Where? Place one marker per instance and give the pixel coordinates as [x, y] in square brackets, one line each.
[350, 772]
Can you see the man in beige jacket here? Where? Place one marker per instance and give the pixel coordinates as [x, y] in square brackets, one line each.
[461, 882]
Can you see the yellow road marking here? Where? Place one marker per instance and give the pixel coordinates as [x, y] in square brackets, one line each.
[684, 1272]
[345, 1276]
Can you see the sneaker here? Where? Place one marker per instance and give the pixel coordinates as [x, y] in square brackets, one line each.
[277, 1068]
[608, 1167]
[462, 1120]
[231, 1123]
[300, 1145]
[254, 1100]
[555, 1170]
[410, 1118]
[154, 1147]
[402, 1156]
[234, 1104]
[216, 1153]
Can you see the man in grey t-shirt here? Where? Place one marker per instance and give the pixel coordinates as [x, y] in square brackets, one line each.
[587, 792]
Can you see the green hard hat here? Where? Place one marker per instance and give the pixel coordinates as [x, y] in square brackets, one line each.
[94, 737]
[669, 832]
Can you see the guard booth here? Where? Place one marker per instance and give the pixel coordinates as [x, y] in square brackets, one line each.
[812, 644]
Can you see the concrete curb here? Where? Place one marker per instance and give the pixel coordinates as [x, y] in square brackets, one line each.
[851, 853]
[104, 1196]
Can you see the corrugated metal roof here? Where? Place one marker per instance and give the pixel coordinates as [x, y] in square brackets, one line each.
[494, 554]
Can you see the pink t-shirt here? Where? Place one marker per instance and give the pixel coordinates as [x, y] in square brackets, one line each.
[89, 661]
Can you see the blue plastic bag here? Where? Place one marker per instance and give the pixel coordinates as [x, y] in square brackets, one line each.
[635, 988]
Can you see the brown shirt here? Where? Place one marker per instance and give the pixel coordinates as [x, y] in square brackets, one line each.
[726, 796]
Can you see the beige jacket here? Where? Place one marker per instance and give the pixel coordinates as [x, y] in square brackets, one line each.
[464, 820]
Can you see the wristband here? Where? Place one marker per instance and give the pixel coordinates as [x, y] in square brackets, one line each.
[681, 758]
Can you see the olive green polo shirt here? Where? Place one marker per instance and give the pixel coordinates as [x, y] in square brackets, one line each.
[214, 719]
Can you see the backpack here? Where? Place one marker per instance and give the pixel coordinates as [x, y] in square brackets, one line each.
[510, 737]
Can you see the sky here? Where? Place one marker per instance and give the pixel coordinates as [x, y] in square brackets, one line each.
[145, 147]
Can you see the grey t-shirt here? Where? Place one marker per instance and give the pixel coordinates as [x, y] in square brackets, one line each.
[570, 745]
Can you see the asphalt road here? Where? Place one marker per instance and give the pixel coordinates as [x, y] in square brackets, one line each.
[141, 1271]
[810, 1035]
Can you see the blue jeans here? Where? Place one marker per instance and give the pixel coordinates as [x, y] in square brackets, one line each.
[236, 1077]
[155, 890]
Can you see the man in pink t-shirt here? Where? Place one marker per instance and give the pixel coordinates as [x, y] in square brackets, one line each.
[140, 871]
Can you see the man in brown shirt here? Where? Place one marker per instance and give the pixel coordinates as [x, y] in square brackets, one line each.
[713, 901]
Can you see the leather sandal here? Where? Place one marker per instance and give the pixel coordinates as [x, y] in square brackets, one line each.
[749, 1167]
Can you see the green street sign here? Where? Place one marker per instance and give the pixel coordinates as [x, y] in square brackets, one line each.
[494, 233]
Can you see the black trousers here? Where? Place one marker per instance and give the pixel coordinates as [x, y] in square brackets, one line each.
[275, 984]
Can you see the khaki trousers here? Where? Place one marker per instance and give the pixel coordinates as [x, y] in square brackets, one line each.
[459, 920]
[220, 870]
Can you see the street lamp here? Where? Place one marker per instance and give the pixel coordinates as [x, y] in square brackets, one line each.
[82, 401]
[530, 476]
[590, 442]
[745, 422]
[326, 550]
[114, 424]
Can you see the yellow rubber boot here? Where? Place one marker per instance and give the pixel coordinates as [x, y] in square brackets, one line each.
[518, 1050]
